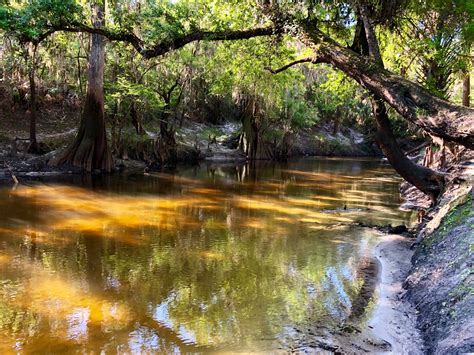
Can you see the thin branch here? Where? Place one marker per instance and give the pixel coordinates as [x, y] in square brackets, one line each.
[313, 60]
[43, 36]
[171, 89]
[150, 67]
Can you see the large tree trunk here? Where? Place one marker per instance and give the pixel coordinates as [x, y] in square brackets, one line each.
[436, 116]
[90, 150]
[136, 120]
[251, 141]
[166, 147]
[33, 146]
[426, 180]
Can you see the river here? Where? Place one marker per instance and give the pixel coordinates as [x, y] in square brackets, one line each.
[204, 258]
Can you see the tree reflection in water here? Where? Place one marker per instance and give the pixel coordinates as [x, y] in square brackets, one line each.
[207, 258]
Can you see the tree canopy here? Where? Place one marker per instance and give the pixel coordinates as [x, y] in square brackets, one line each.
[265, 50]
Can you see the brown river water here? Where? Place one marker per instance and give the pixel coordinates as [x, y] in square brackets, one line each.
[201, 259]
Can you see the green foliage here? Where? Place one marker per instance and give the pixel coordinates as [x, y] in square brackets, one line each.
[29, 21]
[337, 97]
[209, 81]
[240, 69]
[431, 43]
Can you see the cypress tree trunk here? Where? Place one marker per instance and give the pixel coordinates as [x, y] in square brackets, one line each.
[33, 146]
[251, 141]
[136, 120]
[90, 150]
[166, 146]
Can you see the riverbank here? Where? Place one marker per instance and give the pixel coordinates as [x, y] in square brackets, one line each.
[440, 282]
[426, 303]
[394, 319]
[195, 142]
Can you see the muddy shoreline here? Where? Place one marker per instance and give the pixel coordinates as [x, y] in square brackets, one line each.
[423, 301]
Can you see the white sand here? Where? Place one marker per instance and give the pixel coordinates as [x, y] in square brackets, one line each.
[393, 319]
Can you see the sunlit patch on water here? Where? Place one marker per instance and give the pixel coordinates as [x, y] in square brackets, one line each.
[205, 259]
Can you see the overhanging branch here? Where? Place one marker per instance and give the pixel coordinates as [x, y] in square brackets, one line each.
[121, 36]
[158, 49]
[178, 42]
[313, 60]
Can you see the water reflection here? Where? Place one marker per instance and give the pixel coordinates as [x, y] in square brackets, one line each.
[207, 258]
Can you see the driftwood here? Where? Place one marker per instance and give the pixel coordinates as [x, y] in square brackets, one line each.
[400, 229]
[43, 173]
[12, 174]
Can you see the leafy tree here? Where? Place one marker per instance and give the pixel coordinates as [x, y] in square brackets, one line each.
[438, 34]
[27, 23]
[327, 32]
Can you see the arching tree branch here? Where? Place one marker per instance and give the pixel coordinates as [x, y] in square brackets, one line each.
[163, 47]
[312, 60]
[436, 116]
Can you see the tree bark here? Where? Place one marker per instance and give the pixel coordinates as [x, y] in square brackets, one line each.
[466, 90]
[166, 146]
[370, 37]
[251, 139]
[425, 179]
[166, 142]
[90, 149]
[136, 120]
[33, 145]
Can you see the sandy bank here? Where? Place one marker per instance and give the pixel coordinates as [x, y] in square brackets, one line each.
[394, 319]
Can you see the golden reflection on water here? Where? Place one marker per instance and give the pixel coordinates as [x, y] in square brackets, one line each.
[205, 259]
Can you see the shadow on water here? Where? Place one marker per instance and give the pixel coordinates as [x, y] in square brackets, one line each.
[204, 258]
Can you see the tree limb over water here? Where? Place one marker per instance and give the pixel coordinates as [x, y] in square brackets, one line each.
[436, 116]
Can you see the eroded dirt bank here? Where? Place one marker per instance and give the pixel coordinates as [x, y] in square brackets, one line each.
[425, 303]
[440, 283]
